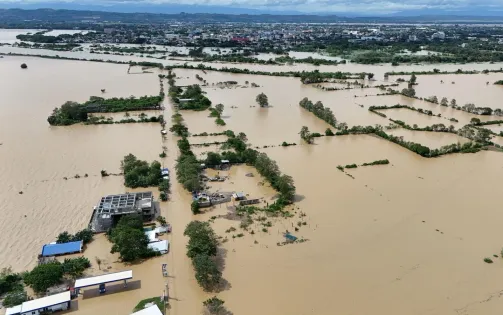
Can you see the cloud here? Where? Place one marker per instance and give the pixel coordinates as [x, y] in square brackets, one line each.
[317, 6]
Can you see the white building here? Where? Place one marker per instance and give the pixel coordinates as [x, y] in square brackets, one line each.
[51, 303]
[160, 246]
[151, 310]
[438, 35]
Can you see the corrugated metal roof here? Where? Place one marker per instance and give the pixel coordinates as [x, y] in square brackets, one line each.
[152, 310]
[45, 302]
[110, 277]
[60, 249]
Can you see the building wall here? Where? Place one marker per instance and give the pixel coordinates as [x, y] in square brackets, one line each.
[54, 308]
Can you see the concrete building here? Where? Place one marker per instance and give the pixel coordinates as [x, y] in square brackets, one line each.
[48, 304]
[111, 208]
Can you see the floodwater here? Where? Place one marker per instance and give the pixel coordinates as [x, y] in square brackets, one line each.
[433, 140]
[478, 89]
[405, 238]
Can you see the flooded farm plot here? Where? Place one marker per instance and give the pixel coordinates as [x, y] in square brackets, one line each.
[433, 140]
[478, 89]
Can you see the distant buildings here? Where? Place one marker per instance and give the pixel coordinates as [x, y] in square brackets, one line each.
[438, 35]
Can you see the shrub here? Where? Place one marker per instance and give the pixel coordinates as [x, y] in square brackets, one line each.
[194, 207]
[351, 166]
[163, 196]
[220, 122]
[488, 260]
[329, 132]
[15, 298]
[44, 276]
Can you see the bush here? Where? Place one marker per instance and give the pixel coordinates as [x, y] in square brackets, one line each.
[163, 196]
[74, 267]
[162, 155]
[104, 173]
[220, 122]
[351, 166]
[15, 298]
[214, 306]
[194, 207]
[10, 281]
[488, 260]
[329, 132]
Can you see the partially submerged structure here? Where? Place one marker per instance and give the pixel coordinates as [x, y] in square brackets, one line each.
[103, 279]
[56, 249]
[150, 310]
[208, 200]
[45, 305]
[112, 207]
[161, 247]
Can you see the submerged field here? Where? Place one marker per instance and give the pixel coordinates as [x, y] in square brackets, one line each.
[404, 238]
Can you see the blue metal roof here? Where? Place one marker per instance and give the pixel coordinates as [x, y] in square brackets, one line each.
[61, 249]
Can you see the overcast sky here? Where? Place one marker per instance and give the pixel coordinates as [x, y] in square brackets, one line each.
[361, 6]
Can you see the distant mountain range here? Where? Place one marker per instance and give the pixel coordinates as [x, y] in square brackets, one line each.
[131, 13]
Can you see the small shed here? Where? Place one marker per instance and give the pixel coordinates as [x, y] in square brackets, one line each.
[62, 248]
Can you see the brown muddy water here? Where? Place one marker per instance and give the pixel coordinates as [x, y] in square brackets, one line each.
[403, 238]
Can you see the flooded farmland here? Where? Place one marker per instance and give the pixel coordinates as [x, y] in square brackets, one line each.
[407, 237]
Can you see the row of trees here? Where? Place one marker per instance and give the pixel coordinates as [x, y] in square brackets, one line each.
[129, 239]
[265, 166]
[138, 173]
[202, 250]
[320, 111]
[72, 112]
[85, 235]
[188, 167]
[398, 106]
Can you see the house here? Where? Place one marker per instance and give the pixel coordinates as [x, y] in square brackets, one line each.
[55, 249]
[112, 207]
[48, 304]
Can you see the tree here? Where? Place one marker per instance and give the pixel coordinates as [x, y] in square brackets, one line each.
[413, 79]
[24, 66]
[306, 135]
[44, 276]
[213, 159]
[85, 235]
[64, 237]
[370, 76]
[15, 298]
[262, 100]
[207, 274]
[161, 220]
[220, 109]
[475, 121]
[202, 239]
[138, 173]
[483, 135]
[434, 99]
[453, 102]
[286, 187]
[410, 92]
[444, 101]
[329, 132]
[129, 239]
[194, 207]
[215, 306]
